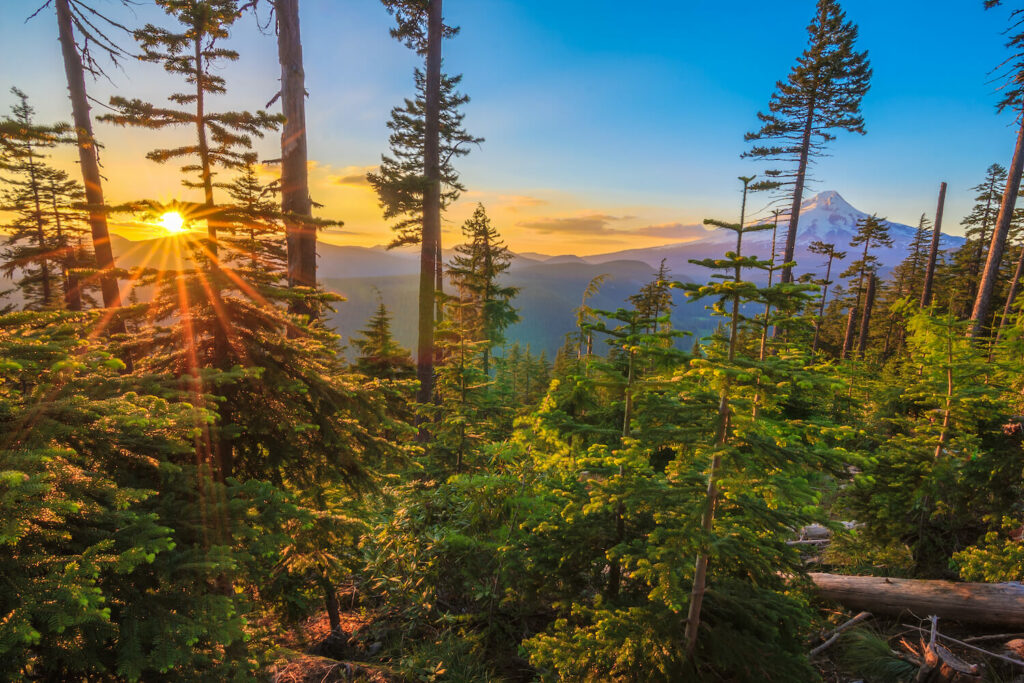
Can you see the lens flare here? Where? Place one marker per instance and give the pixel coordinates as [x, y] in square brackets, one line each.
[173, 222]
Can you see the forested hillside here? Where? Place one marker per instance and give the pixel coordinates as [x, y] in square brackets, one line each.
[789, 448]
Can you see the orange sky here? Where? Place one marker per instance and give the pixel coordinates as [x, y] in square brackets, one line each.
[538, 220]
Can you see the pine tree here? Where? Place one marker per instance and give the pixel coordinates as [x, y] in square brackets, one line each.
[1012, 99]
[872, 232]
[474, 273]
[417, 182]
[822, 93]
[970, 258]
[32, 245]
[380, 356]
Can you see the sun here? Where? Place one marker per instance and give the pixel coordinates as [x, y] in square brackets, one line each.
[173, 222]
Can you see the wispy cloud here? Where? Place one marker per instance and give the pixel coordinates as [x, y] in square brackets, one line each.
[351, 176]
[672, 231]
[597, 224]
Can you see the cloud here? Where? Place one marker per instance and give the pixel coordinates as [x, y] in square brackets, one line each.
[587, 224]
[351, 176]
[672, 231]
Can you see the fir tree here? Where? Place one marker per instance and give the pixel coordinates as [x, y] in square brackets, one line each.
[417, 183]
[380, 356]
[193, 53]
[92, 27]
[474, 273]
[1012, 99]
[32, 245]
[822, 94]
[970, 258]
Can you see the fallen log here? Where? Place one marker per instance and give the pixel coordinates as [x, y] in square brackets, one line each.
[994, 604]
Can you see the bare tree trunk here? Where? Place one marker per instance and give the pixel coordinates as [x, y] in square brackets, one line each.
[851, 318]
[1011, 296]
[821, 308]
[865, 320]
[88, 160]
[979, 317]
[431, 241]
[798, 193]
[300, 234]
[929, 273]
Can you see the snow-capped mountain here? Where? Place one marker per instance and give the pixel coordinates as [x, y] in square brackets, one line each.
[826, 217]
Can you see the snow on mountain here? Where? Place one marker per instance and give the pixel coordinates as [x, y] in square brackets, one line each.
[826, 217]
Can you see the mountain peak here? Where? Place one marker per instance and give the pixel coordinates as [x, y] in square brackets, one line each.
[829, 200]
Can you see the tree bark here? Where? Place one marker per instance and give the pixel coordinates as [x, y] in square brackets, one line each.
[431, 239]
[933, 254]
[979, 317]
[994, 604]
[296, 203]
[865, 320]
[1011, 294]
[89, 161]
[798, 193]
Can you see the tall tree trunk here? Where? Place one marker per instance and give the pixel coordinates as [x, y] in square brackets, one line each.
[1011, 295]
[933, 255]
[865, 320]
[88, 160]
[821, 308]
[700, 569]
[979, 317]
[798, 192]
[851, 318]
[72, 290]
[44, 264]
[979, 250]
[296, 204]
[431, 241]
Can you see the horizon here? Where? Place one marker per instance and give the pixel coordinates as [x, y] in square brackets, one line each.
[562, 177]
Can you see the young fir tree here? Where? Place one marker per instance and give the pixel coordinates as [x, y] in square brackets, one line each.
[418, 181]
[872, 232]
[474, 272]
[822, 94]
[380, 356]
[32, 246]
[934, 431]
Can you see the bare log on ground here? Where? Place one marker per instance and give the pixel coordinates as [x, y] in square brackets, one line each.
[996, 604]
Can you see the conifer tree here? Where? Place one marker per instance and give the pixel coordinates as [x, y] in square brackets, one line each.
[474, 272]
[32, 246]
[193, 52]
[872, 232]
[1012, 99]
[822, 94]
[417, 183]
[970, 258]
[380, 356]
[92, 28]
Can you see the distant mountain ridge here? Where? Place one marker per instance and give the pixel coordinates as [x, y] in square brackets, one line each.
[551, 287]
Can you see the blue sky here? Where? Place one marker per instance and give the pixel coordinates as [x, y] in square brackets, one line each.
[602, 119]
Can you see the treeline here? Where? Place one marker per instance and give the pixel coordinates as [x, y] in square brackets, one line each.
[190, 478]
